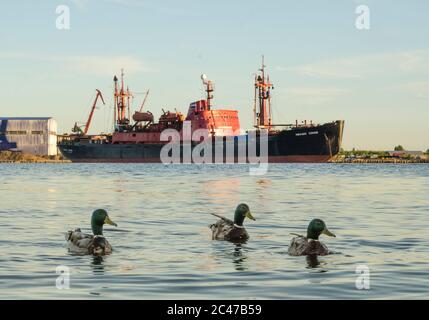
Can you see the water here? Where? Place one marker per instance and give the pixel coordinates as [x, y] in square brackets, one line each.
[162, 246]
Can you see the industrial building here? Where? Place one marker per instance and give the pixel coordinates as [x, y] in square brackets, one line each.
[31, 135]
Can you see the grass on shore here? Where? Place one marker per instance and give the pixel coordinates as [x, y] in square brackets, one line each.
[21, 157]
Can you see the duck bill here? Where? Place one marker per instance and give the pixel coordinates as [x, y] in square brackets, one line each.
[328, 233]
[108, 221]
[249, 215]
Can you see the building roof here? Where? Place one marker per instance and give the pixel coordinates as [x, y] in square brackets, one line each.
[25, 118]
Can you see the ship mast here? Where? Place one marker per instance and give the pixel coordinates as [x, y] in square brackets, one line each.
[121, 101]
[209, 88]
[263, 89]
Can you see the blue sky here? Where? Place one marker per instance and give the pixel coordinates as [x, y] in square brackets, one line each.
[323, 68]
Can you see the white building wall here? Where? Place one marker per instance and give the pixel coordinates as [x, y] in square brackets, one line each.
[52, 137]
[32, 135]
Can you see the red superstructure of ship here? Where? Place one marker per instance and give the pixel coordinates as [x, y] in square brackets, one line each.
[218, 122]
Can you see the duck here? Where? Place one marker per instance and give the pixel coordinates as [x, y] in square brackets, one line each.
[234, 231]
[310, 245]
[95, 244]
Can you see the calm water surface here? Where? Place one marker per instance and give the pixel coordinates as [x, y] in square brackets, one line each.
[162, 247]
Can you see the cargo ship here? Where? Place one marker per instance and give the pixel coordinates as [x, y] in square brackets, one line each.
[138, 138]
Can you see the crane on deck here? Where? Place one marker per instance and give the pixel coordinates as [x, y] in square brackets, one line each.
[77, 129]
[88, 123]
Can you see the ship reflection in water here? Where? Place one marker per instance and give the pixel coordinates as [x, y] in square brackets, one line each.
[163, 248]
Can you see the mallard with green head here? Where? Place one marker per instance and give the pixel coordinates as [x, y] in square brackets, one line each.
[310, 245]
[234, 231]
[95, 244]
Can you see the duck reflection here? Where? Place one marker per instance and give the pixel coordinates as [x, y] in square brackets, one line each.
[312, 261]
[97, 265]
[235, 252]
[239, 258]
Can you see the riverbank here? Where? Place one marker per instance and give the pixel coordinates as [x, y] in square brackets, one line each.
[382, 160]
[20, 157]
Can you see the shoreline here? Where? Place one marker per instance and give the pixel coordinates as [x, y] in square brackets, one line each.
[18, 157]
[36, 161]
[380, 161]
[356, 161]
[21, 157]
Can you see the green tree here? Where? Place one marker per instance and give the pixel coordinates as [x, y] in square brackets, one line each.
[427, 151]
[399, 148]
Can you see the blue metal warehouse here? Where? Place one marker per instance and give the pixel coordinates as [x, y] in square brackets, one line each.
[27, 134]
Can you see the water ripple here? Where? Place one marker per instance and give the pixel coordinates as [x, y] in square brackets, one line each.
[163, 249]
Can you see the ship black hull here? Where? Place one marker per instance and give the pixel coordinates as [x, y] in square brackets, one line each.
[301, 145]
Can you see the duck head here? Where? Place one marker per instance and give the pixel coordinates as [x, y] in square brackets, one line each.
[316, 228]
[98, 219]
[241, 213]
